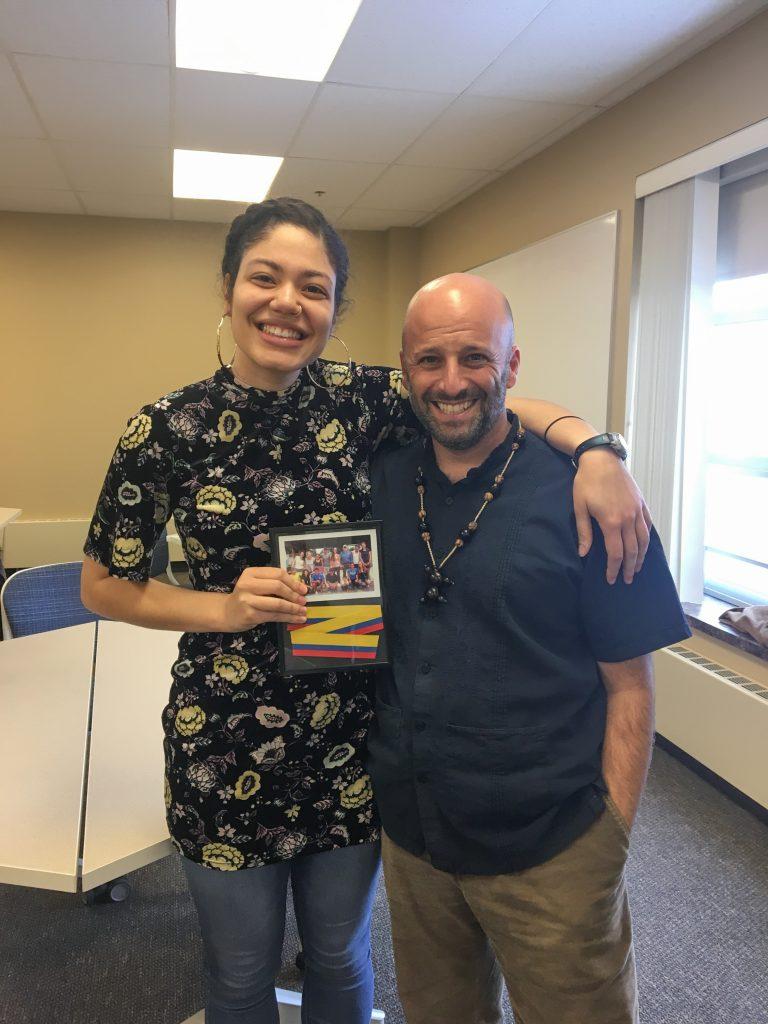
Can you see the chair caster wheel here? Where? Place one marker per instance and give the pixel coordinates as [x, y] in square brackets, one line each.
[116, 891]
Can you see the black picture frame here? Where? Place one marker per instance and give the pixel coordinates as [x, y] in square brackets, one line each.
[345, 600]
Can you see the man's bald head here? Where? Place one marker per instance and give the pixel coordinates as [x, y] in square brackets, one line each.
[459, 358]
[457, 296]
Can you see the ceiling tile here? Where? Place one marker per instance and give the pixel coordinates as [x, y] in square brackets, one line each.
[340, 182]
[577, 51]
[29, 163]
[17, 119]
[118, 30]
[417, 188]
[238, 113]
[38, 200]
[482, 132]
[372, 125]
[216, 211]
[98, 102]
[362, 219]
[417, 44]
[123, 170]
[105, 204]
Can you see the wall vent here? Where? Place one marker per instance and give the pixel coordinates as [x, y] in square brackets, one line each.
[716, 715]
[720, 670]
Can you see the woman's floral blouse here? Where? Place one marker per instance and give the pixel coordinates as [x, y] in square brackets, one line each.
[259, 768]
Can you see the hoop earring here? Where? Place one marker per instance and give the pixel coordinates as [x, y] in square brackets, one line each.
[348, 367]
[222, 364]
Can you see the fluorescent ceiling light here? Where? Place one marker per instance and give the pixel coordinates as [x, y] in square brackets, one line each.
[278, 39]
[237, 177]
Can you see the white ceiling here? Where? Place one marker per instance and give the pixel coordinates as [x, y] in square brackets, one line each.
[426, 101]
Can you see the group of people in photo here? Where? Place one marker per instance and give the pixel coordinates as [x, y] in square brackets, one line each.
[331, 569]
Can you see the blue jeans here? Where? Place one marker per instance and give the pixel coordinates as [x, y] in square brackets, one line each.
[242, 919]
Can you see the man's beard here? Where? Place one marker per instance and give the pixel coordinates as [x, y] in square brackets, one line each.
[490, 406]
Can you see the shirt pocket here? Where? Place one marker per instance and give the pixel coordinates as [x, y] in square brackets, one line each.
[492, 781]
[387, 760]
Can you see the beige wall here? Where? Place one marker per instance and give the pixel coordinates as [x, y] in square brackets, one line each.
[593, 170]
[101, 315]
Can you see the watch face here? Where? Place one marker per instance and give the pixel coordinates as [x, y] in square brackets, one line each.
[619, 445]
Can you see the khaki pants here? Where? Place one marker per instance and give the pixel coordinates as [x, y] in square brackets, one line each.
[559, 933]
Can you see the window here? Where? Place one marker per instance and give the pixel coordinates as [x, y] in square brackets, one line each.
[699, 377]
[736, 444]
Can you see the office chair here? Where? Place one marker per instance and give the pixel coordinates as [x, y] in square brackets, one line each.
[47, 597]
[43, 598]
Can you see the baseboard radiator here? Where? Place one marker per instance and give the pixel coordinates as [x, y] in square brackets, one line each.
[717, 716]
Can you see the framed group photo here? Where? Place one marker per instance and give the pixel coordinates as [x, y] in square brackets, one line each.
[340, 564]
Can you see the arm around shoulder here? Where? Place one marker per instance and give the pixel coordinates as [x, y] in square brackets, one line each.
[603, 488]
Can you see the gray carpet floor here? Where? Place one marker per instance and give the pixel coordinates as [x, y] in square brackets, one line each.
[698, 879]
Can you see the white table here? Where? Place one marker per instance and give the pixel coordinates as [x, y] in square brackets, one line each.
[45, 690]
[76, 813]
[125, 824]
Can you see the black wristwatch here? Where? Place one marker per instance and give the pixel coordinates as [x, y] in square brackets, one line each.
[613, 441]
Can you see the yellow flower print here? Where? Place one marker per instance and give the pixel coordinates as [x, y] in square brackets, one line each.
[136, 432]
[231, 667]
[325, 710]
[357, 793]
[129, 494]
[230, 425]
[189, 720]
[271, 717]
[332, 438]
[337, 375]
[248, 784]
[127, 552]
[334, 517]
[397, 384]
[167, 793]
[292, 812]
[222, 856]
[216, 499]
[339, 755]
[195, 549]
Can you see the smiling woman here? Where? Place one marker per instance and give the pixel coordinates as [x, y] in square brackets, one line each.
[281, 310]
[277, 438]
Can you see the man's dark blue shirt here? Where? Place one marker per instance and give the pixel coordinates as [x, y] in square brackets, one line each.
[486, 749]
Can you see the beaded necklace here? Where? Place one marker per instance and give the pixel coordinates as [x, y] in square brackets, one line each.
[436, 579]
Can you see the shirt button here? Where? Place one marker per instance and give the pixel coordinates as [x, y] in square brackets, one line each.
[449, 501]
[420, 726]
[425, 668]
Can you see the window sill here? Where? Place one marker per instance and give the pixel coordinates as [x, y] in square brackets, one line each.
[706, 618]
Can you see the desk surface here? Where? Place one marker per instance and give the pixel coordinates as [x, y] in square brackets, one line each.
[45, 683]
[125, 813]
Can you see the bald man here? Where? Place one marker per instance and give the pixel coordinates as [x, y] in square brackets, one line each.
[513, 730]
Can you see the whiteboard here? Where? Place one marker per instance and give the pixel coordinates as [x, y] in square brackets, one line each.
[561, 293]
